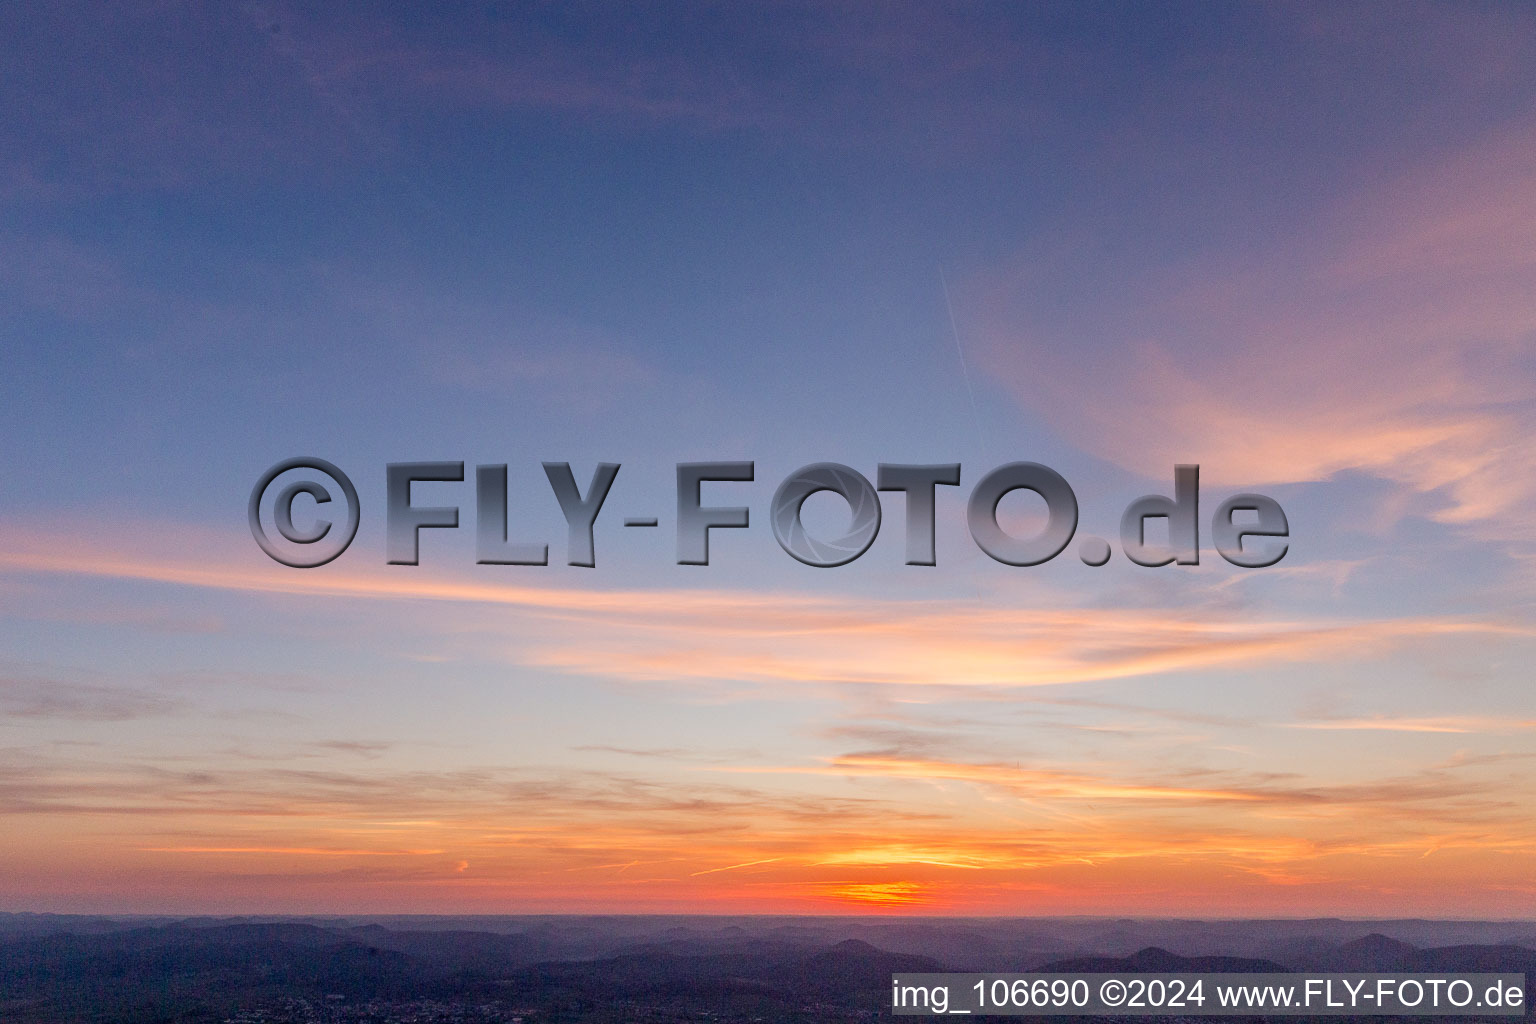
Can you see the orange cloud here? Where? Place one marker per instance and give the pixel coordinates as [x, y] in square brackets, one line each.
[1070, 840]
[903, 826]
[878, 894]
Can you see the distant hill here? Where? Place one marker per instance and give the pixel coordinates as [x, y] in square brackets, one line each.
[193, 974]
[487, 952]
[850, 974]
[1153, 960]
[161, 973]
[1377, 952]
[1373, 952]
[1502, 959]
[94, 970]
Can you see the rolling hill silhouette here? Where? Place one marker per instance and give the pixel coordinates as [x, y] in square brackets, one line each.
[56, 970]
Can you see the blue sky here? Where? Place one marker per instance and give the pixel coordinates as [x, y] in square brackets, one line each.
[1288, 242]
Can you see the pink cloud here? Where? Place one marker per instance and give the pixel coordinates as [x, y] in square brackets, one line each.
[1391, 335]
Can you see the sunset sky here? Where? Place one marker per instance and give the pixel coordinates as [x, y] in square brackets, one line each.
[1292, 243]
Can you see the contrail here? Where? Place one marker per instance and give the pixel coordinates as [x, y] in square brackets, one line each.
[733, 867]
[954, 332]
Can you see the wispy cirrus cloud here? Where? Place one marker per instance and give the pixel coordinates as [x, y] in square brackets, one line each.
[495, 833]
[1453, 724]
[1390, 334]
[38, 697]
[1395, 796]
[763, 637]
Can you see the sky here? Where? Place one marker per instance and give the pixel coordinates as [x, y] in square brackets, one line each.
[1290, 243]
